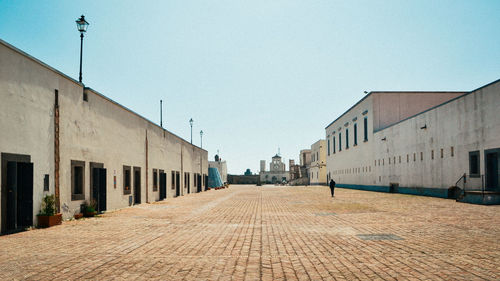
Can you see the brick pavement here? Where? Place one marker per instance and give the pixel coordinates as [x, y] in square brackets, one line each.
[267, 233]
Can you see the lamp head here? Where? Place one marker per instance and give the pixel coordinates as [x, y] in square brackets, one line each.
[82, 24]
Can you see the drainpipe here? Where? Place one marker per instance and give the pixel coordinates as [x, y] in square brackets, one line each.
[56, 150]
[147, 169]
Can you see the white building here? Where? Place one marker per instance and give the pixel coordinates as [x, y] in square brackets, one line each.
[63, 139]
[418, 142]
[221, 166]
[277, 171]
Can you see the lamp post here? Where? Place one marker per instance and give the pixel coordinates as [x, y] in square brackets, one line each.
[82, 25]
[191, 123]
[201, 138]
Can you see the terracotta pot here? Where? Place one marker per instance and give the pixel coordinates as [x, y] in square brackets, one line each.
[89, 214]
[48, 221]
[78, 216]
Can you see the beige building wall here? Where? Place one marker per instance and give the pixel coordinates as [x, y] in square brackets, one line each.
[317, 171]
[97, 130]
[305, 157]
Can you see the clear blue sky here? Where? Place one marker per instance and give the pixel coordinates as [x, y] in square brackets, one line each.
[258, 75]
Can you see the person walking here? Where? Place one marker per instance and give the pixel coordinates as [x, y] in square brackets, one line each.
[332, 186]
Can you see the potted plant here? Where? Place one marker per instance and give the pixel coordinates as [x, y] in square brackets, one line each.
[47, 216]
[89, 208]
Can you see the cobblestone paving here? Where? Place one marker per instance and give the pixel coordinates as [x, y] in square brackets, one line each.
[267, 233]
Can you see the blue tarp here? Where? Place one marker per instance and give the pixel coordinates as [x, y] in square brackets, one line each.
[214, 179]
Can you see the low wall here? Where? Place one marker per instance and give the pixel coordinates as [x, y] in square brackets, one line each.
[241, 179]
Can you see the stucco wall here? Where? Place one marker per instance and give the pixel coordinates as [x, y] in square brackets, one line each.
[26, 116]
[98, 130]
[392, 107]
[466, 124]
[346, 165]
[317, 171]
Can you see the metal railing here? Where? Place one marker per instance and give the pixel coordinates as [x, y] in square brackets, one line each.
[468, 183]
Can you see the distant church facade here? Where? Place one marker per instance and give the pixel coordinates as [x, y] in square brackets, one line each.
[277, 171]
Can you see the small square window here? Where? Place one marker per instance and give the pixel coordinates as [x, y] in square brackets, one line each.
[474, 164]
[77, 180]
[127, 188]
[155, 180]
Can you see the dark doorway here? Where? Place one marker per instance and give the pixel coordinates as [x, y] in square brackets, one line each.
[17, 192]
[163, 185]
[491, 158]
[198, 181]
[99, 188]
[177, 184]
[137, 185]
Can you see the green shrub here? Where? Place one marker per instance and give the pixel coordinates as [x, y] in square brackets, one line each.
[48, 206]
[89, 207]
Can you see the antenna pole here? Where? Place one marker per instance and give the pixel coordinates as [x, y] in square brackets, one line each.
[161, 113]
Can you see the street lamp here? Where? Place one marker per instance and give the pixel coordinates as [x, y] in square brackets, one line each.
[82, 25]
[191, 123]
[201, 138]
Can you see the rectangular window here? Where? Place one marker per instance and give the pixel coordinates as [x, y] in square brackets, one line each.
[126, 180]
[365, 121]
[317, 155]
[389, 160]
[474, 164]
[414, 157]
[328, 146]
[333, 145]
[155, 180]
[346, 138]
[394, 160]
[355, 134]
[407, 158]
[421, 156]
[452, 152]
[340, 141]
[432, 154]
[77, 180]
[442, 153]
[399, 158]
[173, 179]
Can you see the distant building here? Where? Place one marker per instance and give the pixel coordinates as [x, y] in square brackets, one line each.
[262, 165]
[317, 170]
[305, 162]
[248, 172]
[277, 171]
[221, 166]
[419, 143]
